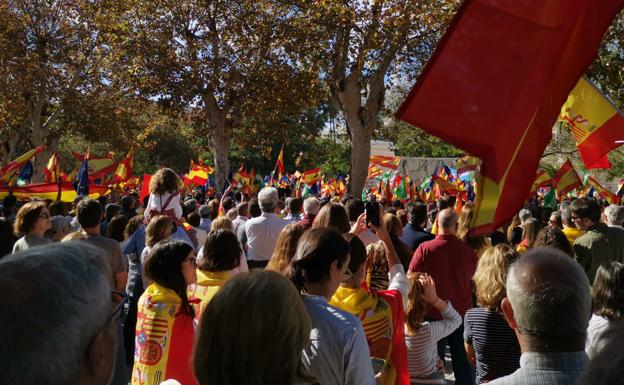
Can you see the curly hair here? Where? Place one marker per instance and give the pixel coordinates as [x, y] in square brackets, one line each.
[416, 305]
[159, 228]
[165, 180]
[555, 238]
[491, 275]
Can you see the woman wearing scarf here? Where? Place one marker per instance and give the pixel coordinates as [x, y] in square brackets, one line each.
[221, 254]
[165, 330]
[381, 312]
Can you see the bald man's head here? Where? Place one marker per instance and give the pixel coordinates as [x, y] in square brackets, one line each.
[447, 222]
[550, 296]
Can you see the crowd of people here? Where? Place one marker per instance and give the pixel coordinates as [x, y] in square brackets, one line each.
[272, 289]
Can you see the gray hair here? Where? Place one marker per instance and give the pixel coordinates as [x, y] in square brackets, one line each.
[566, 216]
[524, 215]
[55, 298]
[204, 211]
[614, 215]
[549, 293]
[267, 198]
[311, 206]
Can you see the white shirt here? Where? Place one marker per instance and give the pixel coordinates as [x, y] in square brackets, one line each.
[156, 201]
[338, 353]
[239, 227]
[367, 237]
[262, 233]
[201, 236]
[597, 326]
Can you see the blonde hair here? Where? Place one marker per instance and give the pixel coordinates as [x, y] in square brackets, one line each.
[530, 229]
[416, 305]
[158, 229]
[164, 181]
[228, 352]
[464, 226]
[392, 223]
[285, 248]
[491, 275]
[73, 236]
[222, 223]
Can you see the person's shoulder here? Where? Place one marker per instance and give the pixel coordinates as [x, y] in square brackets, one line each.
[320, 309]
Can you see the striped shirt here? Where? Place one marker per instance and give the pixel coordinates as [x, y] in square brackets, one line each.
[422, 350]
[496, 347]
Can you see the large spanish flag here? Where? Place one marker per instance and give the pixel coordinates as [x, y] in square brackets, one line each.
[51, 191]
[11, 168]
[566, 179]
[496, 84]
[596, 124]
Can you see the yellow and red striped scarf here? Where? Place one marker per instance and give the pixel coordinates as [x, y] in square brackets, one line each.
[164, 339]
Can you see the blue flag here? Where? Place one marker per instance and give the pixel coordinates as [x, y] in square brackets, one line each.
[81, 184]
[25, 174]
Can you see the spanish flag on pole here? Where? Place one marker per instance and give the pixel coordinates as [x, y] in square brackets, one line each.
[279, 166]
[198, 174]
[495, 86]
[51, 171]
[541, 179]
[124, 167]
[597, 126]
[566, 179]
[9, 170]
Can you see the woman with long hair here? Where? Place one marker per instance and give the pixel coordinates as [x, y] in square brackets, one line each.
[491, 345]
[285, 248]
[165, 331]
[338, 352]
[164, 198]
[607, 303]
[394, 228]
[421, 337]
[530, 229]
[554, 237]
[230, 352]
[31, 222]
[333, 215]
[478, 242]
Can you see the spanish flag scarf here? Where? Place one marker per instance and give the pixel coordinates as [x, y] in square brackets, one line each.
[164, 339]
[207, 285]
[382, 318]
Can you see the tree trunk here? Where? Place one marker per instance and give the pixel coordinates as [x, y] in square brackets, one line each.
[360, 154]
[221, 138]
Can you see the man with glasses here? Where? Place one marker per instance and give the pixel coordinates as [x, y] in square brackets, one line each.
[58, 319]
[600, 243]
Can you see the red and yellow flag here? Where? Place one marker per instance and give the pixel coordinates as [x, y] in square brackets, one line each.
[496, 84]
[51, 191]
[99, 166]
[124, 168]
[310, 177]
[10, 169]
[466, 164]
[566, 179]
[541, 179]
[604, 193]
[391, 162]
[198, 174]
[596, 124]
[51, 172]
[279, 166]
